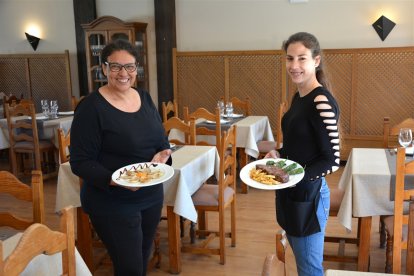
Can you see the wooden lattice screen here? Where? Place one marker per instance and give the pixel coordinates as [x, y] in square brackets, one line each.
[36, 77]
[368, 84]
[201, 79]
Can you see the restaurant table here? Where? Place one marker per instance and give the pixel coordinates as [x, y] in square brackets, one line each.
[193, 165]
[368, 182]
[47, 128]
[44, 264]
[333, 272]
[250, 130]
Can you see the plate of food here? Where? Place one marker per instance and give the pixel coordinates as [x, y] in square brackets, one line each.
[272, 174]
[142, 174]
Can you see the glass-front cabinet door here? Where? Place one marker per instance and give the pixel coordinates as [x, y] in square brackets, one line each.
[108, 28]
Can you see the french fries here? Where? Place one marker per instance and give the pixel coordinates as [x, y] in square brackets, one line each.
[262, 177]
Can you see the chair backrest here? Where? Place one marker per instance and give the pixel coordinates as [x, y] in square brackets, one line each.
[276, 264]
[39, 239]
[390, 133]
[403, 195]
[64, 145]
[76, 101]
[228, 162]
[241, 105]
[10, 100]
[202, 113]
[12, 186]
[187, 128]
[279, 134]
[169, 109]
[23, 132]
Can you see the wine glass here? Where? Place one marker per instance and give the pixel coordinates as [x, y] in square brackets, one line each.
[45, 107]
[53, 109]
[405, 137]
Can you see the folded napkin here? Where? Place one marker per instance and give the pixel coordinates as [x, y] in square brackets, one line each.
[66, 112]
[222, 121]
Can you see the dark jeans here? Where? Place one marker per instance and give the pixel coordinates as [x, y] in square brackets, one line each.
[128, 239]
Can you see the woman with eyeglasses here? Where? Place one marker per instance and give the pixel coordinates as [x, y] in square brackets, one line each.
[115, 126]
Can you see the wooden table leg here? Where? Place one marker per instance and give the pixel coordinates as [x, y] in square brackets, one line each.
[84, 238]
[174, 244]
[243, 162]
[364, 244]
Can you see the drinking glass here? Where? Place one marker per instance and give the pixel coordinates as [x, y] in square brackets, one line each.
[405, 137]
[220, 105]
[229, 110]
[45, 107]
[53, 109]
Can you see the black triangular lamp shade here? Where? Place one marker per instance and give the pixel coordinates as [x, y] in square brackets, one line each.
[33, 40]
[383, 26]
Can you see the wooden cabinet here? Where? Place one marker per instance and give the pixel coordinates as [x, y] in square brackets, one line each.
[106, 29]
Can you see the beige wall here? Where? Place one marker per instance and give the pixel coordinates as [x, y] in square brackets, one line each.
[214, 24]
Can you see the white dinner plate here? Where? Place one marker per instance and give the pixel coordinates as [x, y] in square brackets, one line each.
[167, 173]
[40, 117]
[234, 116]
[222, 121]
[66, 112]
[245, 175]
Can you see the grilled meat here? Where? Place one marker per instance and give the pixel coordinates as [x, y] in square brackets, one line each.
[280, 175]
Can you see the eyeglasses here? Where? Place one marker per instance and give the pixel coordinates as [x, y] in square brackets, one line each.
[116, 67]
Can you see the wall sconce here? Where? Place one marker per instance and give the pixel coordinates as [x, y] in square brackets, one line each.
[383, 26]
[33, 40]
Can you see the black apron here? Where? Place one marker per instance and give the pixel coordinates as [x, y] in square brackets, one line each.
[296, 208]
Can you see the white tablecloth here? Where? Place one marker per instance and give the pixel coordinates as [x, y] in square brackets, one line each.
[332, 272]
[250, 130]
[48, 131]
[366, 181]
[192, 165]
[44, 265]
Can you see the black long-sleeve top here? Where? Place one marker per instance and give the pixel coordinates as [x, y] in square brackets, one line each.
[104, 139]
[310, 133]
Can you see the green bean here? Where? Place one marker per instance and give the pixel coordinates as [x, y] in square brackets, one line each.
[280, 164]
[290, 167]
[296, 171]
[270, 163]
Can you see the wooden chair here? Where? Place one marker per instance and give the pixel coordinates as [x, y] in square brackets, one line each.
[390, 140]
[24, 137]
[64, 145]
[335, 202]
[202, 113]
[169, 109]
[187, 128]
[240, 105]
[216, 198]
[275, 264]
[76, 101]
[400, 227]
[12, 186]
[39, 239]
[10, 100]
[266, 146]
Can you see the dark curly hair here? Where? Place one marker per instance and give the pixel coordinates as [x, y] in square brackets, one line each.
[118, 45]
